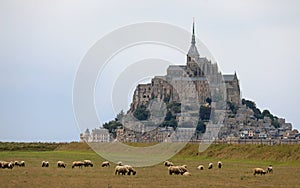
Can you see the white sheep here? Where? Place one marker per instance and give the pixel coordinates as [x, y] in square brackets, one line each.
[61, 164]
[210, 165]
[121, 170]
[45, 164]
[270, 169]
[259, 171]
[8, 165]
[220, 164]
[105, 164]
[186, 174]
[78, 164]
[200, 167]
[130, 170]
[88, 163]
[177, 169]
[168, 163]
[119, 163]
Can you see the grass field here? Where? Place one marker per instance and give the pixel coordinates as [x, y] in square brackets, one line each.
[238, 162]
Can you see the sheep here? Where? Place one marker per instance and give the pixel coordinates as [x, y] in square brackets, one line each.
[130, 170]
[119, 163]
[5, 164]
[121, 170]
[168, 163]
[78, 164]
[105, 164]
[186, 174]
[220, 164]
[210, 165]
[61, 164]
[45, 164]
[88, 163]
[22, 164]
[270, 169]
[176, 170]
[200, 167]
[259, 171]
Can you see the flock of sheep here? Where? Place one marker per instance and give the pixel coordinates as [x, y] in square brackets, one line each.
[121, 169]
[182, 169]
[11, 164]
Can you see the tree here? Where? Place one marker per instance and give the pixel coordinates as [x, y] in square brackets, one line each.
[112, 126]
[201, 127]
[141, 113]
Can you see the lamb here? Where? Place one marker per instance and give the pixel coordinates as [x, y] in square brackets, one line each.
[45, 164]
[200, 167]
[121, 170]
[168, 163]
[88, 163]
[187, 174]
[105, 164]
[61, 164]
[220, 164]
[259, 171]
[210, 165]
[119, 163]
[78, 164]
[270, 169]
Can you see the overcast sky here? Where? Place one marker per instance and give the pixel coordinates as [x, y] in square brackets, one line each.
[43, 42]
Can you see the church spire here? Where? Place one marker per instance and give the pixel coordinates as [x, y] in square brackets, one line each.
[193, 35]
[193, 52]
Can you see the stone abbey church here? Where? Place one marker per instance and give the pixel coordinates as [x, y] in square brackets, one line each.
[198, 82]
[197, 69]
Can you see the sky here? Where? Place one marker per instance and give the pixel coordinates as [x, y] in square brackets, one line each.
[42, 44]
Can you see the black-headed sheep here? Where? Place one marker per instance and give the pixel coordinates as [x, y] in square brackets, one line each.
[259, 171]
[220, 164]
[210, 165]
[130, 170]
[270, 169]
[79, 164]
[168, 163]
[8, 165]
[45, 164]
[105, 164]
[61, 164]
[121, 170]
[88, 163]
[200, 167]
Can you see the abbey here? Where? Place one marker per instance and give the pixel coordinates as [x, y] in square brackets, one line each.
[203, 75]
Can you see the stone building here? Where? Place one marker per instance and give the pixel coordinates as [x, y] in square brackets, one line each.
[199, 77]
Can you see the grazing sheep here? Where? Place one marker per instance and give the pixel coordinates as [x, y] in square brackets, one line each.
[200, 167]
[130, 170]
[88, 163]
[176, 170]
[270, 169]
[61, 164]
[78, 164]
[8, 165]
[121, 170]
[220, 164]
[168, 163]
[210, 165]
[105, 164]
[22, 164]
[120, 163]
[45, 164]
[17, 163]
[259, 171]
[186, 174]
